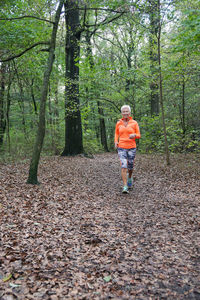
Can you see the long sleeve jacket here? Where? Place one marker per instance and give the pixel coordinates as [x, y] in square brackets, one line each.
[122, 133]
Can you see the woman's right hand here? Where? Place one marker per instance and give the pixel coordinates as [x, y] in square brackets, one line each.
[116, 145]
[132, 136]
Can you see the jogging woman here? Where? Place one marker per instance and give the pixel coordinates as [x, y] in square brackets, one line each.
[126, 131]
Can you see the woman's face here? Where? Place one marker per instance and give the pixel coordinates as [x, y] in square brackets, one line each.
[125, 113]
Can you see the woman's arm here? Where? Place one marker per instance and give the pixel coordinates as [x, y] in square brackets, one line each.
[136, 134]
[116, 135]
[137, 131]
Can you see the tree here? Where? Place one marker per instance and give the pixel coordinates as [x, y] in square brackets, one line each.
[73, 128]
[124, 43]
[154, 60]
[41, 126]
[161, 85]
[2, 102]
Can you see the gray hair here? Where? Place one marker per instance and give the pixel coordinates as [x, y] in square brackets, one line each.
[125, 106]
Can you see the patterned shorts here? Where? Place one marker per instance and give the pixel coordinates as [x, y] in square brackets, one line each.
[127, 157]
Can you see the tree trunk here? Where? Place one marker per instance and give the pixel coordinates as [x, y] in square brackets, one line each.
[41, 126]
[73, 126]
[161, 92]
[154, 23]
[102, 127]
[129, 82]
[33, 97]
[182, 113]
[56, 129]
[8, 109]
[21, 101]
[2, 103]
[183, 107]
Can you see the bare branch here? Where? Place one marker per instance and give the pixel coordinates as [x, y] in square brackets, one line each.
[23, 17]
[45, 20]
[20, 54]
[110, 101]
[98, 8]
[84, 18]
[106, 21]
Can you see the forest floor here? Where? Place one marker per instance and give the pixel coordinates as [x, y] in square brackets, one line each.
[76, 236]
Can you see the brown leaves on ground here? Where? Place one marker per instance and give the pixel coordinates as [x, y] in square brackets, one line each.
[75, 236]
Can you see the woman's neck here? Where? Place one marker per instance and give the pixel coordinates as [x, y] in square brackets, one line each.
[126, 119]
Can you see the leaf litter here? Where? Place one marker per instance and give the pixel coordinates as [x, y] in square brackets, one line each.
[76, 236]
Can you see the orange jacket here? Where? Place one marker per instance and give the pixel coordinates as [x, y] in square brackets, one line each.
[122, 133]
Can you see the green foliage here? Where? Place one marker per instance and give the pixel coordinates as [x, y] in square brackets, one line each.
[19, 34]
[117, 71]
[152, 137]
[188, 35]
[90, 144]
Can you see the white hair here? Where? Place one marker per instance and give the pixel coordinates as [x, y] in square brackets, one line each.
[125, 106]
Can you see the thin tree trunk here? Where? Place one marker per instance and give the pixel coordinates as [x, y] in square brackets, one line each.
[134, 89]
[129, 82]
[154, 23]
[183, 107]
[33, 170]
[161, 92]
[8, 110]
[130, 97]
[56, 131]
[2, 104]
[21, 101]
[182, 113]
[33, 97]
[51, 121]
[102, 127]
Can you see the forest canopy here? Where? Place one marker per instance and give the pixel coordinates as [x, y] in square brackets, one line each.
[107, 53]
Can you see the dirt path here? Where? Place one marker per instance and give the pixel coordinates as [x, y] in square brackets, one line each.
[77, 237]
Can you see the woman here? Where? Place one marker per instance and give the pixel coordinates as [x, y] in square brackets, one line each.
[126, 131]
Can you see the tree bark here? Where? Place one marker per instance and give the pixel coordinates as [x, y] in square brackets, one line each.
[102, 127]
[21, 101]
[11, 76]
[2, 103]
[183, 107]
[33, 170]
[161, 91]
[33, 97]
[73, 126]
[154, 60]
[182, 113]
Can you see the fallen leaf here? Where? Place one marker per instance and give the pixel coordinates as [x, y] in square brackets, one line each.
[107, 278]
[7, 278]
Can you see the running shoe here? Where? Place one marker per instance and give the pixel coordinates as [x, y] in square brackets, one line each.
[125, 190]
[130, 182]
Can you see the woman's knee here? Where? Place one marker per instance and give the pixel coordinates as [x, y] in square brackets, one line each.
[124, 164]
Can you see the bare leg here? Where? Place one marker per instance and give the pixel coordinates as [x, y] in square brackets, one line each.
[124, 176]
[130, 172]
